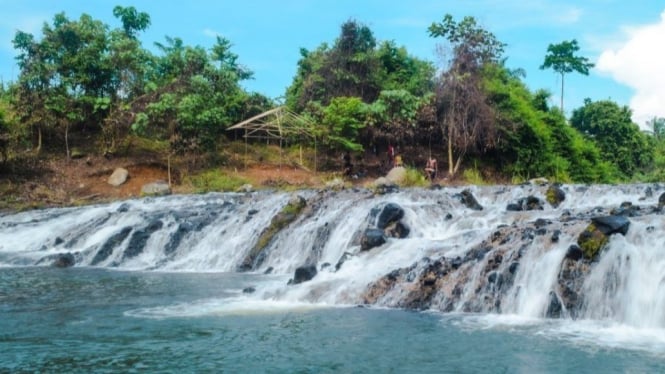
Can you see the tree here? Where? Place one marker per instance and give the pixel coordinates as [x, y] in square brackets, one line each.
[561, 58]
[465, 116]
[620, 140]
[657, 127]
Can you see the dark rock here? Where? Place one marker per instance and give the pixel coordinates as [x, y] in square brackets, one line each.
[456, 262]
[554, 309]
[574, 253]
[371, 238]
[248, 290]
[252, 212]
[64, 260]
[555, 196]
[123, 208]
[387, 214]
[140, 237]
[113, 242]
[469, 200]
[661, 201]
[448, 217]
[342, 260]
[513, 267]
[609, 225]
[540, 222]
[268, 270]
[325, 265]
[59, 240]
[435, 186]
[525, 203]
[555, 236]
[304, 273]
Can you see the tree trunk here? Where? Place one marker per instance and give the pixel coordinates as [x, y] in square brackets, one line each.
[69, 155]
[562, 95]
[39, 139]
[450, 151]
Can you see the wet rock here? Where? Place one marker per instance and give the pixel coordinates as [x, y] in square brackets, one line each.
[249, 290]
[58, 241]
[555, 195]
[540, 222]
[342, 260]
[304, 274]
[570, 281]
[139, 239]
[554, 309]
[525, 203]
[123, 208]
[325, 265]
[383, 186]
[113, 242]
[268, 270]
[64, 260]
[661, 201]
[372, 238]
[609, 225]
[118, 177]
[388, 214]
[574, 253]
[555, 236]
[469, 200]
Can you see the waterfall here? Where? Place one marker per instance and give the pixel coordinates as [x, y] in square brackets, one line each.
[453, 258]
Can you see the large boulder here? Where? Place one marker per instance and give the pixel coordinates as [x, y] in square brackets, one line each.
[63, 260]
[388, 214]
[118, 177]
[397, 175]
[372, 238]
[661, 201]
[469, 200]
[596, 235]
[157, 188]
[555, 196]
[303, 274]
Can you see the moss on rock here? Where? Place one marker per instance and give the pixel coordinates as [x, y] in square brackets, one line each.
[592, 240]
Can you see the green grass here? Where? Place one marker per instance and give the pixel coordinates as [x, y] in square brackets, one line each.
[215, 180]
[473, 176]
[414, 178]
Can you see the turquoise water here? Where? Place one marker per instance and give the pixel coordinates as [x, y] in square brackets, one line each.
[96, 320]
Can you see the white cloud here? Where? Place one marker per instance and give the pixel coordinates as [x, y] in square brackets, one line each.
[211, 33]
[639, 63]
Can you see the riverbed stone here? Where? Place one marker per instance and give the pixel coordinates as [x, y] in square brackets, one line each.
[555, 195]
[118, 177]
[304, 274]
[372, 238]
[469, 200]
[157, 188]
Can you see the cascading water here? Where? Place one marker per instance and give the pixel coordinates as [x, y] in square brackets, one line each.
[453, 259]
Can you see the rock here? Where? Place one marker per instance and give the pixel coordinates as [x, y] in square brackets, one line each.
[555, 308]
[245, 188]
[383, 186]
[342, 260]
[526, 203]
[469, 200]
[304, 273]
[157, 188]
[397, 175]
[661, 201]
[555, 236]
[371, 238]
[268, 270]
[139, 239]
[574, 253]
[555, 196]
[248, 290]
[63, 260]
[118, 177]
[389, 213]
[609, 225]
[596, 235]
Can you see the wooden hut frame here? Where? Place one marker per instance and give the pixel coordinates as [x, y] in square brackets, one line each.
[278, 124]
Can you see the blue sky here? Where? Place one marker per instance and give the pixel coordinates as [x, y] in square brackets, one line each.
[626, 40]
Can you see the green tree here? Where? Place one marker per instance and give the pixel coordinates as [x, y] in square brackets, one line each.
[465, 117]
[562, 59]
[620, 140]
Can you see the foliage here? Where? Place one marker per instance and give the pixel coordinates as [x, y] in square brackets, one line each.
[561, 58]
[344, 118]
[620, 140]
[414, 178]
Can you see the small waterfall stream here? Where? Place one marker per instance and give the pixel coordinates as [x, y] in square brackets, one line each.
[454, 259]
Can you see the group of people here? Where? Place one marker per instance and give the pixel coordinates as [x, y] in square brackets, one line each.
[394, 160]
